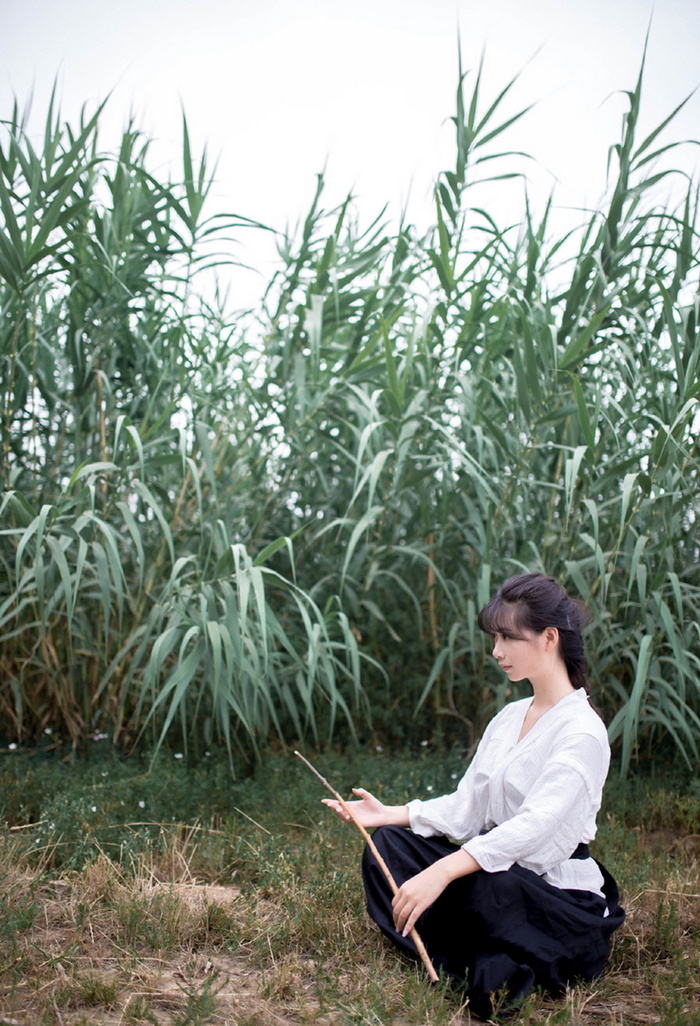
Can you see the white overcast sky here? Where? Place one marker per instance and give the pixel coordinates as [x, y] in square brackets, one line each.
[280, 89]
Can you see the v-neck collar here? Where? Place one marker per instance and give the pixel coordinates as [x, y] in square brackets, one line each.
[519, 741]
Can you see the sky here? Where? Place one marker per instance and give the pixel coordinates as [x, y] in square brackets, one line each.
[280, 90]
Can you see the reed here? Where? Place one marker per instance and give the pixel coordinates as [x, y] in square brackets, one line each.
[222, 526]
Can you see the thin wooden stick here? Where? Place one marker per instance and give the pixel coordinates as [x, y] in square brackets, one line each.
[420, 946]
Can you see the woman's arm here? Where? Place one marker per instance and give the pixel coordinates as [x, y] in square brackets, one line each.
[420, 891]
[370, 812]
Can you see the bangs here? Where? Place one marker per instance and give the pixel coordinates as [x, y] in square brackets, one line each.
[501, 617]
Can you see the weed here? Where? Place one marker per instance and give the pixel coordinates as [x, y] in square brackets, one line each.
[96, 990]
[200, 1004]
[138, 1011]
[154, 922]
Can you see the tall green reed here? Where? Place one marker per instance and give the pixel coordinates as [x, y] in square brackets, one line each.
[221, 526]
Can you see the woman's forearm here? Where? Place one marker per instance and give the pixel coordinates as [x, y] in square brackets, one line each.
[459, 863]
[420, 891]
[397, 815]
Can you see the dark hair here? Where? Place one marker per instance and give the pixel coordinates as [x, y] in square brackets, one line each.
[534, 602]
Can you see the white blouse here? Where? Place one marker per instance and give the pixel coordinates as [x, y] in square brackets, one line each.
[530, 801]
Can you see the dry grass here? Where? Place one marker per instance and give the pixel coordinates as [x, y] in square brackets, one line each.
[257, 917]
[157, 945]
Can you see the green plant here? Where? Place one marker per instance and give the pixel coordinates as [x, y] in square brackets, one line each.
[237, 527]
[149, 609]
[138, 1010]
[200, 1004]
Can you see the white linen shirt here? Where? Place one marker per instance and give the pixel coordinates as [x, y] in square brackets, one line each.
[530, 801]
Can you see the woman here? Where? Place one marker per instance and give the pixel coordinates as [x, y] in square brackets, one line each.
[518, 901]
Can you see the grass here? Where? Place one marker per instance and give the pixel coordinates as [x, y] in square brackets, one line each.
[248, 907]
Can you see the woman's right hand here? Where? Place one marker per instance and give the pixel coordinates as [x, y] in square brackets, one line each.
[369, 811]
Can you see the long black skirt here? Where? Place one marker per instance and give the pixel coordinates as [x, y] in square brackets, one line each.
[498, 933]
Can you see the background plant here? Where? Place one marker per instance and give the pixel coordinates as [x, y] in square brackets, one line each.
[222, 526]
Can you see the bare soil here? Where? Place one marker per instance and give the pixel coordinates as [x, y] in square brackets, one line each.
[82, 966]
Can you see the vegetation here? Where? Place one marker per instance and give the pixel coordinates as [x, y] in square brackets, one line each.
[224, 531]
[219, 528]
[247, 907]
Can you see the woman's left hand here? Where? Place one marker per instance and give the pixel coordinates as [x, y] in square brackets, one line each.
[416, 895]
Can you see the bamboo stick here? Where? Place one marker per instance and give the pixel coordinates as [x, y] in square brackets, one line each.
[420, 946]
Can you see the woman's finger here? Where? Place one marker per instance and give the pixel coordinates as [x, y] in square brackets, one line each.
[406, 916]
[336, 806]
[411, 921]
[400, 905]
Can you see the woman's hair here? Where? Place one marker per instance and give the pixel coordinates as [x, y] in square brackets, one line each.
[534, 602]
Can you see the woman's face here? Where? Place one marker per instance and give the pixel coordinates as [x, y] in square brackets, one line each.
[520, 657]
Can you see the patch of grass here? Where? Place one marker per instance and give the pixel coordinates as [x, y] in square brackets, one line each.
[138, 1011]
[200, 1002]
[253, 912]
[19, 909]
[90, 990]
[154, 922]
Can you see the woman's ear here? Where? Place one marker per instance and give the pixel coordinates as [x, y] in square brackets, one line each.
[551, 638]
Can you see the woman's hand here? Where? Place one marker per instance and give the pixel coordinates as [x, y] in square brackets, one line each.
[369, 811]
[420, 891]
[416, 895]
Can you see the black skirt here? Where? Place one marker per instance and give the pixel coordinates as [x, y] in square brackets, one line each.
[501, 933]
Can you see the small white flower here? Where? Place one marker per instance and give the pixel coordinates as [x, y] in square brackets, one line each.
[453, 775]
[142, 805]
[47, 730]
[429, 787]
[105, 773]
[178, 755]
[13, 746]
[423, 744]
[378, 748]
[93, 808]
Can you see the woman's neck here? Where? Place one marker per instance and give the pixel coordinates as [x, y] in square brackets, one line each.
[546, 695]
[550, 687]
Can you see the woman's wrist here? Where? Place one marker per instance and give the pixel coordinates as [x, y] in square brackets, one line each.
[397, 815]
[459, 863]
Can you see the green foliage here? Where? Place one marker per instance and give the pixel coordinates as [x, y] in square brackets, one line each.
[123, 808]
[201, 1003]
[221, 527]
[18, 912]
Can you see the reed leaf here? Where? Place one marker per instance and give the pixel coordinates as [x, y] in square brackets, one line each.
[283, 521]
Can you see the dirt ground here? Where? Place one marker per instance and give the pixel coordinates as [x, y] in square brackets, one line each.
[215, 987]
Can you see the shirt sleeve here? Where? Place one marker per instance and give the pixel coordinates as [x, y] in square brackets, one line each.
[458, 815]
[557, 813]
[462, 813]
